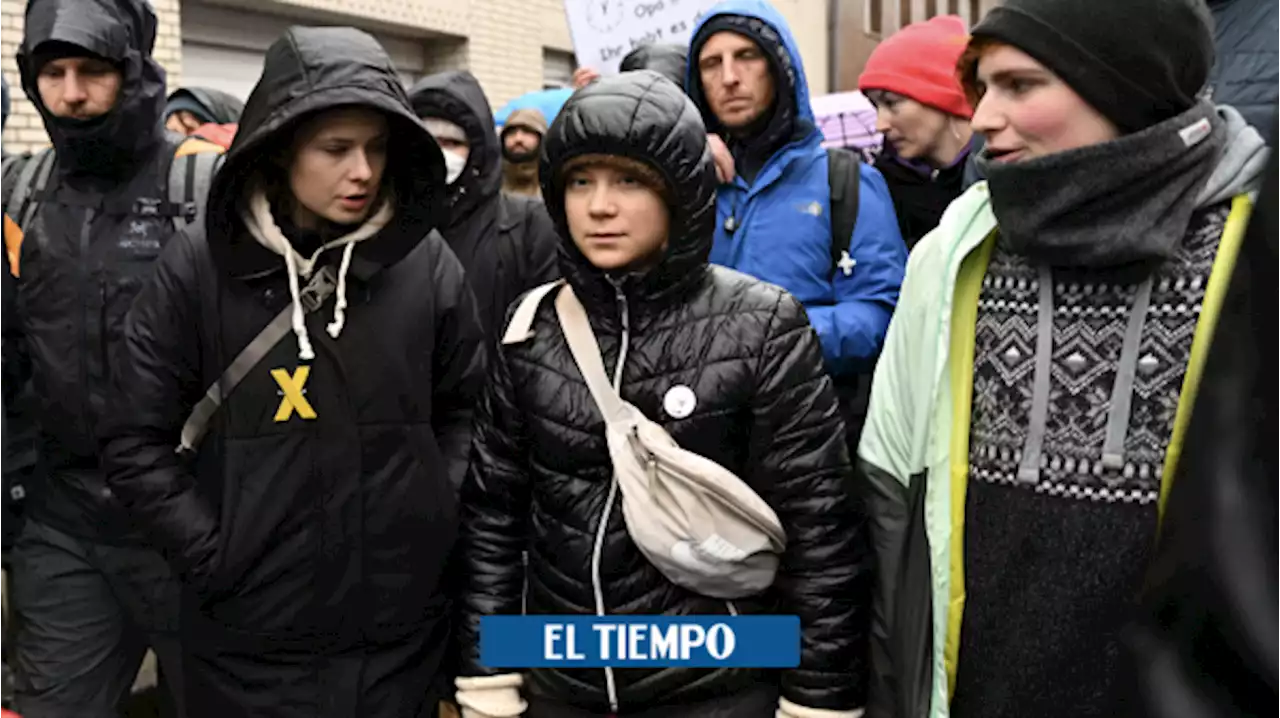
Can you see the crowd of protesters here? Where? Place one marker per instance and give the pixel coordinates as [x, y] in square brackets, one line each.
[298, 390]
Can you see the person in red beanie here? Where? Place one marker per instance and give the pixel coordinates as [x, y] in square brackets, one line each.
[924, 115]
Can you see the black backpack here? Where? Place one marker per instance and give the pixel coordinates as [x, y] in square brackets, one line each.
[843, 176]
[25, 181]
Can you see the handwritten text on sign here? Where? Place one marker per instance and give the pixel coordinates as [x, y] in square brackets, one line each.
[640, 641]
[604, 31]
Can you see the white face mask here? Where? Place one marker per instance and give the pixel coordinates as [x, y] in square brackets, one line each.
[453, 166]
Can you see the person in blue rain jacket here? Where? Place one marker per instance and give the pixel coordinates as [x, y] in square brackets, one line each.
[773, 216]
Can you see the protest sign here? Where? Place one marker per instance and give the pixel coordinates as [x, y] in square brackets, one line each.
[604, 31]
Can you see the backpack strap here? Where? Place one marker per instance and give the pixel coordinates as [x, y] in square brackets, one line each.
[312, 297]
[32, 180]
[195, 162]
[843, 177]
[11, 166]
[520, 328]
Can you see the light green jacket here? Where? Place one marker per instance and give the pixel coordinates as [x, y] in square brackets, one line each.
[914, 452]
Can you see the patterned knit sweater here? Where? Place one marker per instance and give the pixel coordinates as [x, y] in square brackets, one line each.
[1053, 568]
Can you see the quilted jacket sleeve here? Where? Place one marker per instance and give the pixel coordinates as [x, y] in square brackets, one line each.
[459, 362]
[495, 512]
[803, 461]
[157, 383]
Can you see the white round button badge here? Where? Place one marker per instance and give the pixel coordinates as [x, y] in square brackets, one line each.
[679, 401]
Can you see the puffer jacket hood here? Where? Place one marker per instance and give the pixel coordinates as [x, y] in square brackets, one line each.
[306, 71]
[457, 97]
[643, 116]
[670, 61]
[222, 108]
[124, 33]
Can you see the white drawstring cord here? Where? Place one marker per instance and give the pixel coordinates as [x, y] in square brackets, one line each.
[263, 228]
[340, 303]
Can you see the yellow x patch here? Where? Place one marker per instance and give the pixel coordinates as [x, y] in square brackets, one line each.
[293, 399]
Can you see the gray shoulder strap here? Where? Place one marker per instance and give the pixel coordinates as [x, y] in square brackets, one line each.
[520, 328]
[32, 180]
[190, 177]
[312, 297]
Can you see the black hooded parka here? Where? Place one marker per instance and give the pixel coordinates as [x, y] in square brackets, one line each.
[313, 524]
[505, 241]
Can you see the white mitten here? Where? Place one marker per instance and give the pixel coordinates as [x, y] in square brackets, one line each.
[491, 696]
[787, 709]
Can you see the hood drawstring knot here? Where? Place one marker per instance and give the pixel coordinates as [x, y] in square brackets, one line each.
[263, 228]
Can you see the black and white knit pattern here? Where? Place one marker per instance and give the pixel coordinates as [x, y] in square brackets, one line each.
[1090, 314]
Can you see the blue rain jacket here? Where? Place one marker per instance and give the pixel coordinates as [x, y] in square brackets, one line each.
[783, 227]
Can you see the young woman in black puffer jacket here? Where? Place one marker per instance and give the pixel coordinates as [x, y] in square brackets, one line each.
[728, 365]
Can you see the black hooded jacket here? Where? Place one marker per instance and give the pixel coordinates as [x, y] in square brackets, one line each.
[123, 32]
[667, 59]
[506, 242]
[313, 543]
[84, 255]
[222, 107]
[540, 477]
[1246, 72]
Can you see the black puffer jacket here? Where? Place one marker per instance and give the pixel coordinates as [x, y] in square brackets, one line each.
[312, 542]
[506, 242]
[541, 478]
[1246, 72]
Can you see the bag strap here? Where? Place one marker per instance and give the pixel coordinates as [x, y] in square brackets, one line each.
[586, 353]
[9, 169]
[312, 297]
[520, 328]
[843, 178]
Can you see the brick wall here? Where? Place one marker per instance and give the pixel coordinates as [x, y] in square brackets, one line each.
[24, 130]
[500, 41]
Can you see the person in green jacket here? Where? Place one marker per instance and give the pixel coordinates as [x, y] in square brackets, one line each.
[1028, 408]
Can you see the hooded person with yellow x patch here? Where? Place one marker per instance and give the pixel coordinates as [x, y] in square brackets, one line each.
[313, 507]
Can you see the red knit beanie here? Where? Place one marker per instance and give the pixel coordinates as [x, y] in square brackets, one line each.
[919, 61]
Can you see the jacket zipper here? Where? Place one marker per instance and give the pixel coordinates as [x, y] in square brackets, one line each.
[597, 584]
[524, 589]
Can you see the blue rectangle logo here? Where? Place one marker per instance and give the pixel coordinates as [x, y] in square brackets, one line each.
[640, 641]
